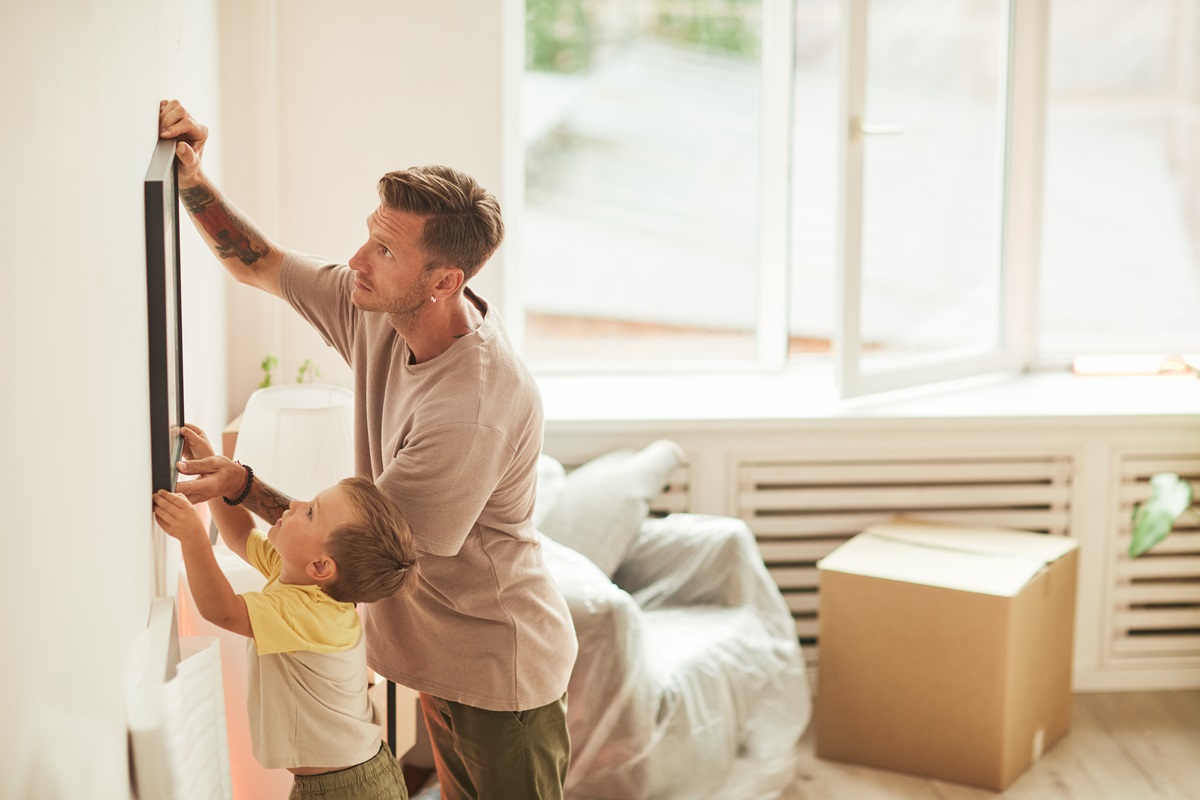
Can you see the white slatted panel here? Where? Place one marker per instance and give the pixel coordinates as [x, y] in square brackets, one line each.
[1156, 597]
[800, 511]
[676, 497]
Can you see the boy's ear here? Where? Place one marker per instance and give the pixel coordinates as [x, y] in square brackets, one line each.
[322, 570]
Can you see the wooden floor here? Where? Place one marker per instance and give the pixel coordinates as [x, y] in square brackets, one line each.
[1131, 746]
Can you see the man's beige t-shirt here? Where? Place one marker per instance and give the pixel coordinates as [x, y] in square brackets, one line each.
[454, 442]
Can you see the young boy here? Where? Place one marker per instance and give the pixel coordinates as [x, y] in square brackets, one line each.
[308, 704]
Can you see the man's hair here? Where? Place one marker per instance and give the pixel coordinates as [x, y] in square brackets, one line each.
[375, 552]
[462, 227]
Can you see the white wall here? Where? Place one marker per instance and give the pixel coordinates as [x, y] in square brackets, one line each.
[81, 84]
[318, 103]
[319, 100]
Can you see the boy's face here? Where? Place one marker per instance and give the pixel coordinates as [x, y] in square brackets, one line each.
[302, 532]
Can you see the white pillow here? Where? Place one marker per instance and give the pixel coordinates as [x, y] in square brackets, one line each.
[601, 505]
[550, 477]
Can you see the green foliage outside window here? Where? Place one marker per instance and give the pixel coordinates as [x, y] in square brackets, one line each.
[561, 35]
[728, 26]
[558, 37]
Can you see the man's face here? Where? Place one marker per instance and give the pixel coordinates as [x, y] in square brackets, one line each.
[389, 269]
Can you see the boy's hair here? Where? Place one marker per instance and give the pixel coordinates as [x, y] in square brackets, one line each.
[375, 552]
[463, 226]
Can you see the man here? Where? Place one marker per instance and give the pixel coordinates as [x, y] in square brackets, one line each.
[449, 425]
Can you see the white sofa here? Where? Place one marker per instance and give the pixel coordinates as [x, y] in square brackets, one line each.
[689, 681]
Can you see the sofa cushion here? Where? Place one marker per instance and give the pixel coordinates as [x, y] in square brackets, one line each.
[602, 504]
[550, 477]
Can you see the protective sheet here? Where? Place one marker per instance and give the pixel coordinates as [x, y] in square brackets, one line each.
[689, 682]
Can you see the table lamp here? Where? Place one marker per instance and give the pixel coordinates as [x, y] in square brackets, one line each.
[299, 438]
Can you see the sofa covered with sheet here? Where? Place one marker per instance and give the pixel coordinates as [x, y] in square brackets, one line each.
[689, 681]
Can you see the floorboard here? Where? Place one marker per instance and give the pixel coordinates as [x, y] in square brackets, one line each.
[1122, 746]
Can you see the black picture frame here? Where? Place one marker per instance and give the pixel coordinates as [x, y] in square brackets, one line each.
[164, 315]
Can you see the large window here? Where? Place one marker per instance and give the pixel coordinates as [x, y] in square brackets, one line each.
[895, 183]
[1121, 222]
[641, 146]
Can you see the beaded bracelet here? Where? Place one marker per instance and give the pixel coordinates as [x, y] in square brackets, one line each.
[245, 489]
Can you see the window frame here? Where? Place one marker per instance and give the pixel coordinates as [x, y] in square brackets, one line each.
[1025, 97]
[1023, 111]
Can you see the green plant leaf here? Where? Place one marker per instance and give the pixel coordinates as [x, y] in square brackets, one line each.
[1153, 518]
[308, 371]
[269, 363]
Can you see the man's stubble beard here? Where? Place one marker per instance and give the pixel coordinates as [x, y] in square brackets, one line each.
[402, 312]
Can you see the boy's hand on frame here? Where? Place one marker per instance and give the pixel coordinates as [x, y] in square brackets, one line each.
[177, 518]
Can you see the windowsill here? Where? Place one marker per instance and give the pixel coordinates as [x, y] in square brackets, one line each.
[812, 396]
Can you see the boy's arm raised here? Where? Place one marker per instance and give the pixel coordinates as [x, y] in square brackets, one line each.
[214, 597]
[234, 524]
[240, 246]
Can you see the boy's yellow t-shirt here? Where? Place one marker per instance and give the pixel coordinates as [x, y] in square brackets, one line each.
[287, 618]
[306, 694]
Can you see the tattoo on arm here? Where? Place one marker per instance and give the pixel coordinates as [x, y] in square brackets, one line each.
[267, 502]
[231, 235]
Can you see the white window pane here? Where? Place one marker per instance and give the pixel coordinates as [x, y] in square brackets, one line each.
[814, 177]
[1121, 228]
[932, 179]
[641, 124]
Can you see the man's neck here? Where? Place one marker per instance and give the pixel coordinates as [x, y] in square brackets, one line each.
[432, 329]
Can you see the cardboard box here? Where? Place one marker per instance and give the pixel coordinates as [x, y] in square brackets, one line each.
[946, 651]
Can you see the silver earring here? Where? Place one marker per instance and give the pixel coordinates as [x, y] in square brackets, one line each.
[433, 298]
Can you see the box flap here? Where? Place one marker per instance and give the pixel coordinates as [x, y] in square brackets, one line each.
[977, 538]
[990, 561]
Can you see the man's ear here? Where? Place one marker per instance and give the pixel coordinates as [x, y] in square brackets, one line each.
[449, 281]
[322, 570]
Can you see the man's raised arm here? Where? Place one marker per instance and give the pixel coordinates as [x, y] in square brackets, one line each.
[241, 247]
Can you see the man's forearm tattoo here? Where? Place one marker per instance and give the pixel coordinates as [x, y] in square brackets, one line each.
[233, 237]
[268, 503]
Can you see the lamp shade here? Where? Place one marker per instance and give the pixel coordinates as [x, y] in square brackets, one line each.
[299, 438]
